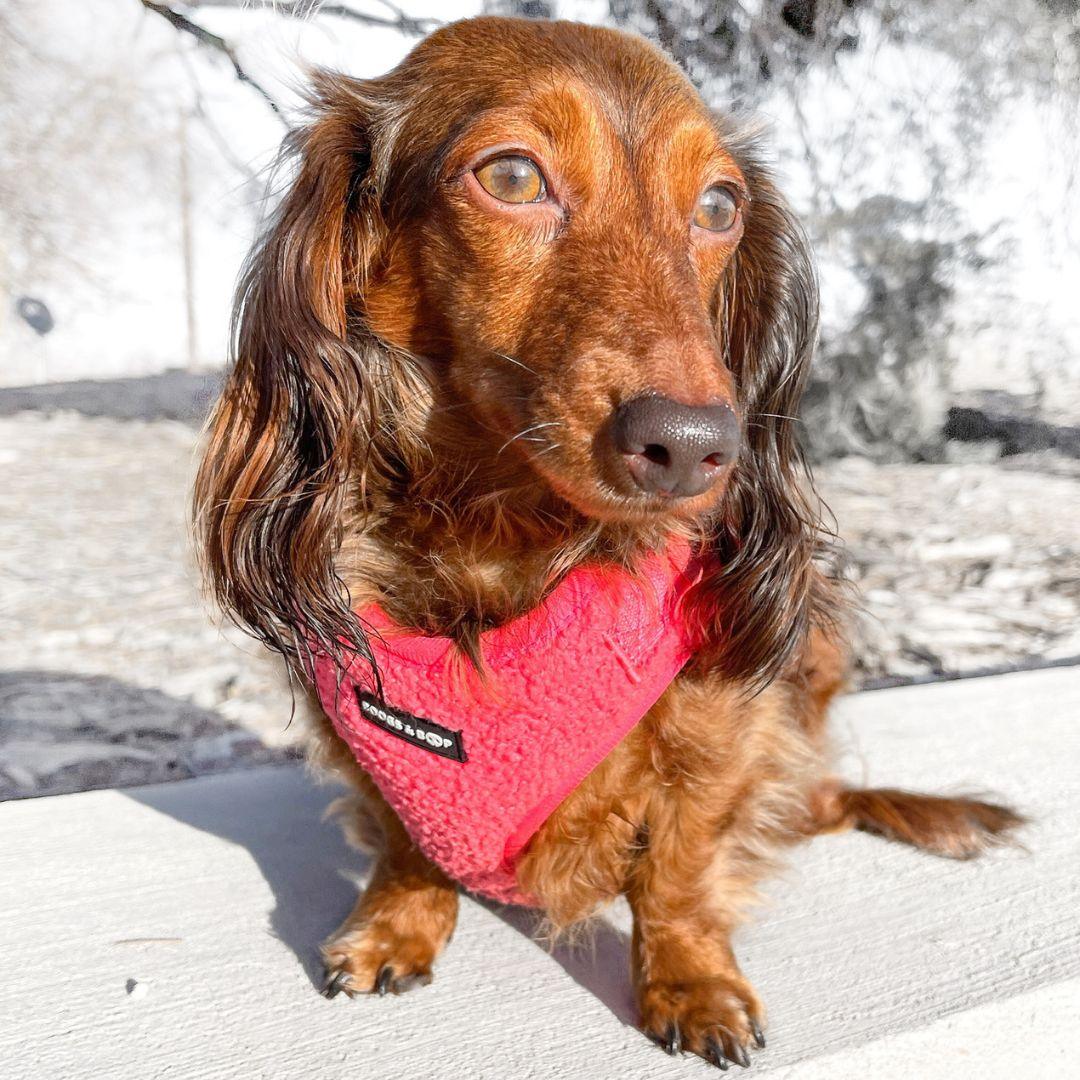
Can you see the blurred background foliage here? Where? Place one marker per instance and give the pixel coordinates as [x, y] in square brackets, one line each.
[929, 145]
[943, 74]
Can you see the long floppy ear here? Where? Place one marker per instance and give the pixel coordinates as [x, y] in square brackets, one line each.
[270, 490]
[760, 602]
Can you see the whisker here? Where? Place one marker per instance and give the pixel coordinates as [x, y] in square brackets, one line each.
[512, 360]
[779, 416]
[520, 434]
[548, 449]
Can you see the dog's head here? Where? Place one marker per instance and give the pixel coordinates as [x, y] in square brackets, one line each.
[540, 227]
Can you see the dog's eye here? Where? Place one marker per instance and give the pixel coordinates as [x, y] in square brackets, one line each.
[716, 210]
[512, 180]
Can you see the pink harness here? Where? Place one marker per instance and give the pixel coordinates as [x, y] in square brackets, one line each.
[474, 768]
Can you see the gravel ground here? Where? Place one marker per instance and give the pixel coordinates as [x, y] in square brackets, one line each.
[97, 579]
[961, 568]
[112, 671]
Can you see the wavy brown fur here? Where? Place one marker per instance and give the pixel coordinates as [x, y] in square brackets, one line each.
[270, 492]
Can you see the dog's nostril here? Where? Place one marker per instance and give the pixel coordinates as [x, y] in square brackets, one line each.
[672, 449]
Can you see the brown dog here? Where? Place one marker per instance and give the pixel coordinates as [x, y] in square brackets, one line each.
[527, 304]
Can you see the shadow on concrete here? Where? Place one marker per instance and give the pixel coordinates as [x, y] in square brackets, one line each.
[599, 962]
[303, 858]
[314, 875]
[64, 732]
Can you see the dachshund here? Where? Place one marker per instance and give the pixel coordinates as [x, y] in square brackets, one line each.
[528, 305]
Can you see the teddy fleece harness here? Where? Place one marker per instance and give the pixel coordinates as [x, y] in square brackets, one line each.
[473, 768]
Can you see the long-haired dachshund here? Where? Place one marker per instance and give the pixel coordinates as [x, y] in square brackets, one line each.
[530, 310]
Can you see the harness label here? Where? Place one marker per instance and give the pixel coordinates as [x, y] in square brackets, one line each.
[417, 731]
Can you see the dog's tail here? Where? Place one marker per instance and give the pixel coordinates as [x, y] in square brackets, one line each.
[956, 827]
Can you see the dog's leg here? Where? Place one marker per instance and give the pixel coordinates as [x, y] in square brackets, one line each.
[400, 924]
[956, 827]
[406, 915]
[723, 779]
[685, 892]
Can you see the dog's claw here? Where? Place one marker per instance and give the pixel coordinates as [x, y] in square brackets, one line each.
[755, 1030]
[673, 1039]
[739, 1054]
[336, 982]
[716, 1053]
[383, 980]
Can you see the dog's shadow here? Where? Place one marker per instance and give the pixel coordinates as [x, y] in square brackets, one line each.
[276, 814]
[598, 960]
[312, 873]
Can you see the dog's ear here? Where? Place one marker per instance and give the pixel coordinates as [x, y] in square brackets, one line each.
[293, 412]
[759, 602]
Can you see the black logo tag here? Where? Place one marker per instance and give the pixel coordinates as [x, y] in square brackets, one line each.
[413, 729]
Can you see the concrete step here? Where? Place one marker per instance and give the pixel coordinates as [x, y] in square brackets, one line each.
[172, 931]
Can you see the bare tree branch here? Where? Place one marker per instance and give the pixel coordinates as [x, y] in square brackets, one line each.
[202, 114]
[305, 9]
[212, 41]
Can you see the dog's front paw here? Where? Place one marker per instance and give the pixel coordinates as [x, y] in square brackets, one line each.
[374, 959]
[718, 1018]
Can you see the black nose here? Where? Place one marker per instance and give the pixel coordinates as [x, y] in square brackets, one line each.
[674, 449]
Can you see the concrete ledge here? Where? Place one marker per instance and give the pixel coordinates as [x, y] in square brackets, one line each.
[171, 930]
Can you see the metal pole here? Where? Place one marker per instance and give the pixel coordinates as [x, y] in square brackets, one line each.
[187, 243]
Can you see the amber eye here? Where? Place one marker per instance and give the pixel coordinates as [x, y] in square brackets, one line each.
[512, 180]
[716, 210]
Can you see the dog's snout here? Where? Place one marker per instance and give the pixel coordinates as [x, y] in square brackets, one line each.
[674, 449]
